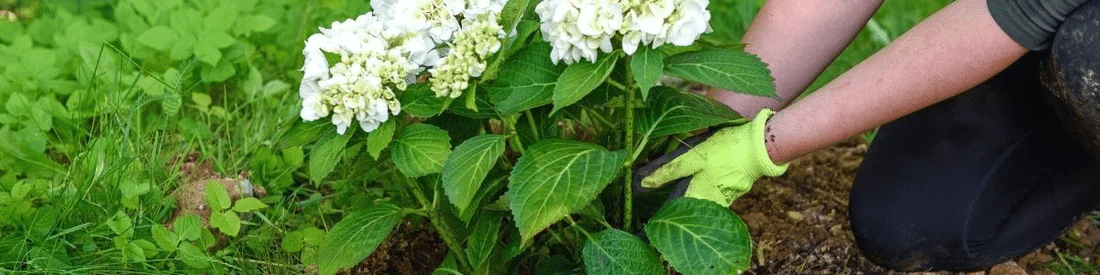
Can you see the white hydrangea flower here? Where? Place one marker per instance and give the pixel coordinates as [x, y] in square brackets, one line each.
[357, 89]
[658, 22]
[479, 38]
[386, 50]
[357, 86]
[475, 8]
[432, 16]
[578, 29]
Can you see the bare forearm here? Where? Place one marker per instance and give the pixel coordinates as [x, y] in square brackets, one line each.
[950, 52]
[797, 39]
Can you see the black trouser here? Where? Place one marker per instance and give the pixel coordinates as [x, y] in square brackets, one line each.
[981, 178]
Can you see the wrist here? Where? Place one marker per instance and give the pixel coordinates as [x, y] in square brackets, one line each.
[764, 144]
[770, 146]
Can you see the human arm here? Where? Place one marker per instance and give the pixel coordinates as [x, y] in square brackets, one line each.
[797, 39]
[953, 50]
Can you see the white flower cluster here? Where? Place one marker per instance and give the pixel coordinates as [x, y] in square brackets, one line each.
[472, 45]
[388, 49]
[578, 29]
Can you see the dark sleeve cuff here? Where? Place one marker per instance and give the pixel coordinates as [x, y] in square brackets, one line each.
[1031, 23]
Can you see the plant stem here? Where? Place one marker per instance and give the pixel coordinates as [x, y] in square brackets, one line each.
[617, 84]
[513, 134]
[628, 173]
[578, 227]
[534, 127]
[440, 225]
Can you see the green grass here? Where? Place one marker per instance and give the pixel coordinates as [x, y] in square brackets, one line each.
[890, 22]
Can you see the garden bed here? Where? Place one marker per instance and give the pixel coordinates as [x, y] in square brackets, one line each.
[799, 225]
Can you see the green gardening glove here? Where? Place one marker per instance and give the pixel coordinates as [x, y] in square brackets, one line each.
[721, 167]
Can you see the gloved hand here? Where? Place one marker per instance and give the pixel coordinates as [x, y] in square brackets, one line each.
[720, 167]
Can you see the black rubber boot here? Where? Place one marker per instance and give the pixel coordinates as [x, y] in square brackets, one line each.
[1072, 75]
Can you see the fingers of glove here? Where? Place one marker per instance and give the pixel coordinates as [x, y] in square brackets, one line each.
[719, 186]
[649, 168]
[685, 165]
[706, 190]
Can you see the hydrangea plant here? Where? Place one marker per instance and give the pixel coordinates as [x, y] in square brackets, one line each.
[558, 100]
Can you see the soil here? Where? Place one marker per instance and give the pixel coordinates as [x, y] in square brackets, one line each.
[190, 194]
[798, 222]
[413, 249]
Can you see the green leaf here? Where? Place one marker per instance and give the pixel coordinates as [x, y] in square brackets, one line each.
[324, 156]
[259, 23]
[252, 84]
[292, 242]
[167, 240]
[202, 100]
[294, 157]
[380, 138]
[419, 100]
[312, 236]
[581, 78]
[647, 66]
[130, 250]
[42, 117]
[730, 69]
[159, 38]
[148, 249]
[131, 190]
[512, 12]
[28, 150]
[217, 39]
[613, 251]
[557, 265]
[221, 18]
[700, 237]
[527, 80]
[467, 167]
[186, 20]
[18, 104]
[420, 150]
[171, 103]
[448, 267]
[193, 256]
[188, 226]
[208, 54]
[183, 48]
[228, 222]
[120, 223]
[305, 132]
[671, 111]
[356, 236]
[554, 178]
[217, 198]
[206, 238]
[275, 87]
[248, 204]
[219, 73]
[483, 238]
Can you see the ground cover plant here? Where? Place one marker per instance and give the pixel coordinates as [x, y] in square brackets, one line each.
[142, 136]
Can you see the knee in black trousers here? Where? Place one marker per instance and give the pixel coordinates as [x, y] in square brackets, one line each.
[975, 180]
